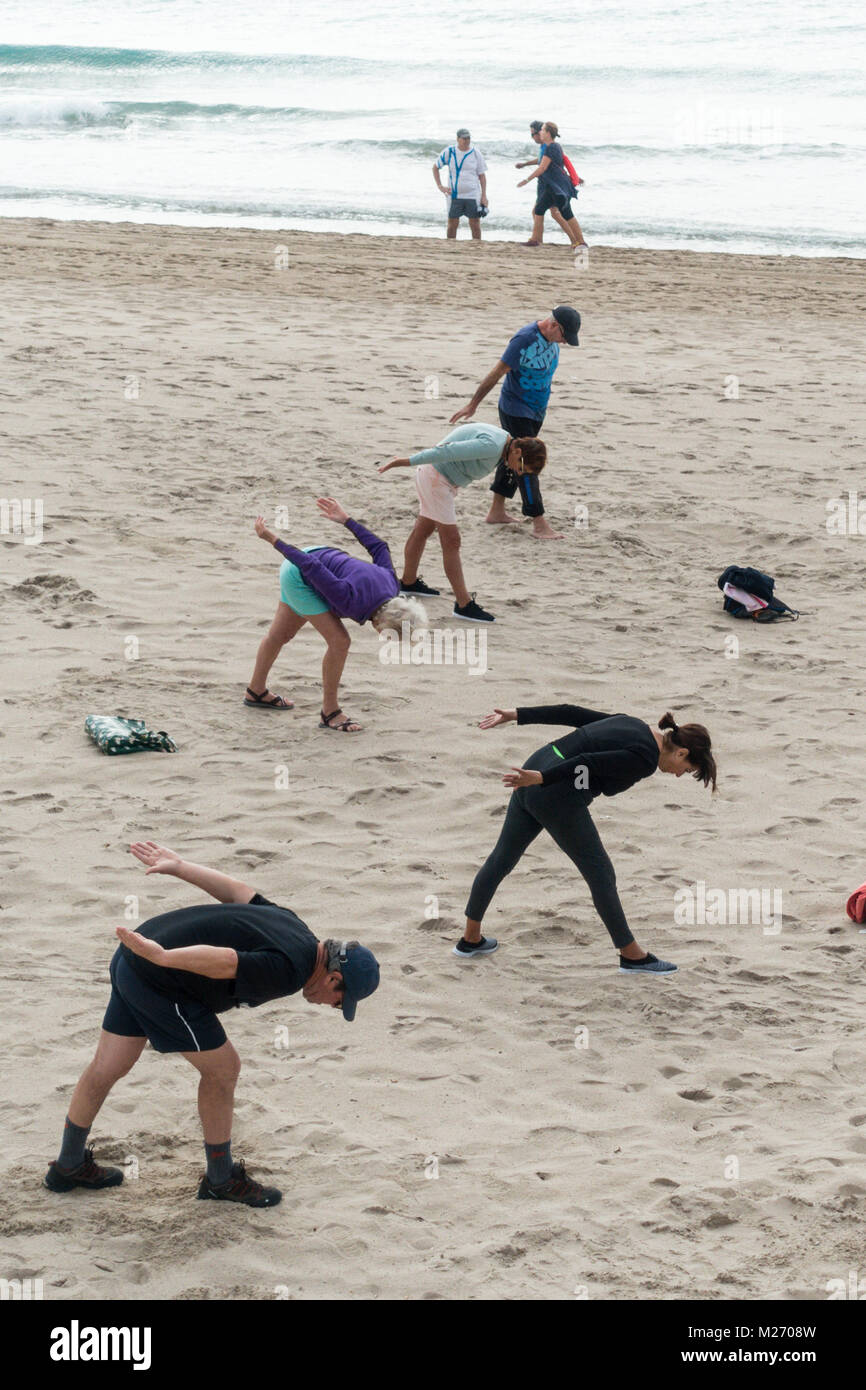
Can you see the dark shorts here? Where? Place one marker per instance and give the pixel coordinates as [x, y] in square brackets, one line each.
[505, 481]
[135, 1010]
[463, 207]
[549, 198]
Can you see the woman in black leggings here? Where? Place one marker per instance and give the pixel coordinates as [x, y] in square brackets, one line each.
[606, 754]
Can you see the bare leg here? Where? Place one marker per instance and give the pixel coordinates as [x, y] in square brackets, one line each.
[572, 227]
[449, 537]
[114, 1057]
[473, 930]
[451, 229]
[218, 1071]
[338, 640]
[285, 625]
[498, 516]
[475, 228]
[537, 234]
[414, 549]
[543, 531]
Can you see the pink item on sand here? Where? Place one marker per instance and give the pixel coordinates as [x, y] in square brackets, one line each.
[856, 905]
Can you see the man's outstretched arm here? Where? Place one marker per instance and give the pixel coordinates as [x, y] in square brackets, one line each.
[159, 860]
[487, 385]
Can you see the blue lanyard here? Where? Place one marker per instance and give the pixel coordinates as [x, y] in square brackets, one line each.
[457, 167]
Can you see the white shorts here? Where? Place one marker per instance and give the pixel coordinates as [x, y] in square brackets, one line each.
[436, 495]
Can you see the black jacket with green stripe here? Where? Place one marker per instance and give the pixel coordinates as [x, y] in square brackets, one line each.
[616, 750]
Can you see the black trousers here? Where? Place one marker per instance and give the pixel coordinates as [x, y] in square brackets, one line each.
[562, 811]
[505, 481]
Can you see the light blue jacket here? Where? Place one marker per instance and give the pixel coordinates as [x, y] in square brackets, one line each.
[467, 453]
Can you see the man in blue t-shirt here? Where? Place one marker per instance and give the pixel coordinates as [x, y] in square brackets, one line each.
[527, 364]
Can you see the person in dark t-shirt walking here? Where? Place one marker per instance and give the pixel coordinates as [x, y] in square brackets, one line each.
[604, 755]
[171, 978]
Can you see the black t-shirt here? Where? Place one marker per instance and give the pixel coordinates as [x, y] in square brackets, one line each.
[616, 749]
[276, 952]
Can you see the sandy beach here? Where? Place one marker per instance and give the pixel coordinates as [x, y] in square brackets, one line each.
[534, 1125]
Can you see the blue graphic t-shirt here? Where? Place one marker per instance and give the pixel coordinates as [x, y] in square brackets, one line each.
[526, 387]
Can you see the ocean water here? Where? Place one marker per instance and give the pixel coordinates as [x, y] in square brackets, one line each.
[735, 127]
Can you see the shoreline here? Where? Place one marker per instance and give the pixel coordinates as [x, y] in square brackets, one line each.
[426, 236]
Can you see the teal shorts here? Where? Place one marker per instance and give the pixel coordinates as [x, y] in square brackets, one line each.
[296, 593]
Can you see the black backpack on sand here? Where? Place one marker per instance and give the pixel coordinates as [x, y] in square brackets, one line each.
[761, 585]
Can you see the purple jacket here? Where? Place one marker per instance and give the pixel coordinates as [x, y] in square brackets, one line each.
[351, 588]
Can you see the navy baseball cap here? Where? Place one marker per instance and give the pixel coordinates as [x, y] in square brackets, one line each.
[569, 321]
[463, 131]
[360, 971]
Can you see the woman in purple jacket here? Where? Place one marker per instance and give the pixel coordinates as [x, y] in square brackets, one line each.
[322, 585]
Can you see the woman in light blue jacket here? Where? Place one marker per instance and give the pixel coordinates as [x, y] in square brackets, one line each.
[469, 452]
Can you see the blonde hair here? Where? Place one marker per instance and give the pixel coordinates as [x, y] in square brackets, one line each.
[398, 611]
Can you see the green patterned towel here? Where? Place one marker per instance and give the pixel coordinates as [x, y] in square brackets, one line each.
[112, 734]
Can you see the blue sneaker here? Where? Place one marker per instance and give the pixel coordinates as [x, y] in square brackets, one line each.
[650, 965]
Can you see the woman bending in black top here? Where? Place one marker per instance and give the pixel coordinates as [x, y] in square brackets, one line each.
[606, 754]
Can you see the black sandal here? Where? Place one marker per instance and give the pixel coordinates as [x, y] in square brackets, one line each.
[259, 701]
[345, 727]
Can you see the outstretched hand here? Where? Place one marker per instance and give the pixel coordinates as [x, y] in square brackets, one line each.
[522, 777]
[264, 531]
[331, 509]
[156, 858]
[465, 414]
[141, 945]
[499, 716]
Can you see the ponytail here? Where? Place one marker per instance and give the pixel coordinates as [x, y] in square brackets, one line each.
[696, 741]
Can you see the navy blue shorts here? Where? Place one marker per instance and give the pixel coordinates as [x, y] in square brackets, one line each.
[547, 199]
[463, 207]
[135, 1010]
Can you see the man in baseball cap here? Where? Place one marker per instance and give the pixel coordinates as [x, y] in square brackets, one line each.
[358, 969]
[171, 979]
[569, 321]
[526, 370]
[467, 173]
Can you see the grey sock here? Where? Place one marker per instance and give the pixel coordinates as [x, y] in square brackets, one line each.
[72, 1149]
[219, 1162]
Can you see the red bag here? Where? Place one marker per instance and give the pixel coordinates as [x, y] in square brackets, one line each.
[570, 170]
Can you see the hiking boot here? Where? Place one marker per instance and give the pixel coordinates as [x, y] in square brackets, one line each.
[239, 1188]
[88, 1174]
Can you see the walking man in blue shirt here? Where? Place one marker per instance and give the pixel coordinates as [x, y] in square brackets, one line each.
[527, 366]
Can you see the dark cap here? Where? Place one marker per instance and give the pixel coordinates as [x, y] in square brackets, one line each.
[569, 321]
[360, 971]
[463, 131]
[536, 125]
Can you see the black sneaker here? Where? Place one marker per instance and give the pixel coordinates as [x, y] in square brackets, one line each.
[473, 613]
[419, 587]
[650, 965]
[88, 1174]
[239, 1188]
[467, 949]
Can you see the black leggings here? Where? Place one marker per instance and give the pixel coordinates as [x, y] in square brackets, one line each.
[506, 481]
[562, 812]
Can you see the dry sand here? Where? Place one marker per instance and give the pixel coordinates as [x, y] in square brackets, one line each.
[710, 1140]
